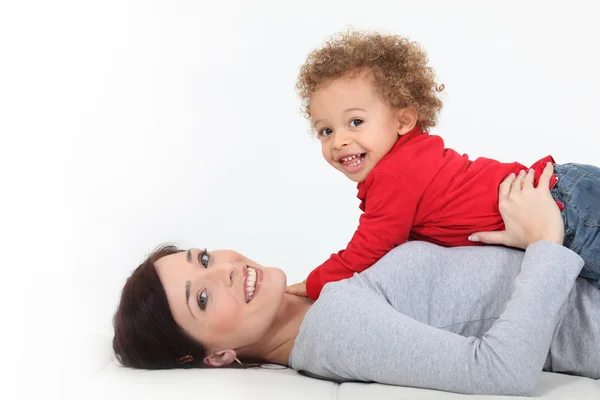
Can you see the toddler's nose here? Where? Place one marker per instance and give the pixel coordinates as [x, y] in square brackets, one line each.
[341, 139]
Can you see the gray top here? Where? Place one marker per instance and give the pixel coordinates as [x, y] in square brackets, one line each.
[479, 320]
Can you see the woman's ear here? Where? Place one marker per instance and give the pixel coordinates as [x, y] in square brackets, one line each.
[407, 119]
[220, 358]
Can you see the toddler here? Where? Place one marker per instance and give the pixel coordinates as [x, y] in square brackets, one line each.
[371, 99]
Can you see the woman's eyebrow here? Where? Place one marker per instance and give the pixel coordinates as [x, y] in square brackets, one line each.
[188, 286]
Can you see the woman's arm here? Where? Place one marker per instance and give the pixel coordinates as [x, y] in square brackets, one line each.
[367, 339]
[362, 337]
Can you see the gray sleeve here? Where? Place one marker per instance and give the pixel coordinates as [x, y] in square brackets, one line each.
[374, 342]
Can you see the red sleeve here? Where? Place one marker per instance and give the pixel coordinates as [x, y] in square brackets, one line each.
[385, 224]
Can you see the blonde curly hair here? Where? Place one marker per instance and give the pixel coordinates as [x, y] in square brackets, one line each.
[397, 67]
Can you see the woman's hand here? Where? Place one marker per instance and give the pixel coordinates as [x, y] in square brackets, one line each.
[530, 214]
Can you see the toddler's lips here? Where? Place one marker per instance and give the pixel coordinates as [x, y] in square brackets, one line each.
[352, 163]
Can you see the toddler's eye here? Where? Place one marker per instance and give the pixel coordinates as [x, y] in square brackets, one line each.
[355, 122]
[325, 132]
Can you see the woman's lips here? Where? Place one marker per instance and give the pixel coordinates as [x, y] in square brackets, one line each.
[252, 282]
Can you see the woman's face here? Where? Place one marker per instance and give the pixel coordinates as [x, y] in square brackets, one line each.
[221, 298]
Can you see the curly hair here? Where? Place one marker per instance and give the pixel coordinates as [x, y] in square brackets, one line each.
[397, 67]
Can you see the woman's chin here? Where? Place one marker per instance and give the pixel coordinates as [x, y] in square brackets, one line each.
[276, 275]
[273, 283]
[279, 279]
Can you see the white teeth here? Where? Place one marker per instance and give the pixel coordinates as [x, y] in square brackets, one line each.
[250, 282]
[346, 159]
[357, 162]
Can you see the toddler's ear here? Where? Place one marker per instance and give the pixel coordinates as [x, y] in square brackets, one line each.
[407, 119]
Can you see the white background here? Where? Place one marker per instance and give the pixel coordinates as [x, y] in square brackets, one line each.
[126, 124]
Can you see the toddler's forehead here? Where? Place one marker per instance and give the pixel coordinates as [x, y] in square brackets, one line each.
[347, 93]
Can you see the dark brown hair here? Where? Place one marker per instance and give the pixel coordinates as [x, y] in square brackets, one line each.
[398, 68]
[146, 335]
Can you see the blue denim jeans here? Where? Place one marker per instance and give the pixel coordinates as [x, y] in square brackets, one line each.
[578, 188]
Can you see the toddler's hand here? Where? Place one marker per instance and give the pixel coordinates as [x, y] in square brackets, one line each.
[298, 289]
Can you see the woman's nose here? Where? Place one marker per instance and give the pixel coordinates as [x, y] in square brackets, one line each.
[222, 273]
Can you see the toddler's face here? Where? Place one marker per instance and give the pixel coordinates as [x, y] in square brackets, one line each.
[355, 126]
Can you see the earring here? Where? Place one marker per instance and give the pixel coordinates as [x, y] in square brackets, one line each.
[239, 362]
[184, 359]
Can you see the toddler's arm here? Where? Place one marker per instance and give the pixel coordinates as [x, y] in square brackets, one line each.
[386, 223]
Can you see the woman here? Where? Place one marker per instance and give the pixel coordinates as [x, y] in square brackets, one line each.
[482, 320]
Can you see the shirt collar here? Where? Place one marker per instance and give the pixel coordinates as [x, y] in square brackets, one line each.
[416, 131]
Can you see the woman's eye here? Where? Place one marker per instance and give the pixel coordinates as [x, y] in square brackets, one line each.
[202, 300]
[325, 132]
[355, 122]
[204, 258]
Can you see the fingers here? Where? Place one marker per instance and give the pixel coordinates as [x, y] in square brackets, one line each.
[524, 180]
[498, 237]
[296, 292]
[504, 188]
[298, 289]
[291, 290]
[546, 176]
[518, 182]
[528, 180]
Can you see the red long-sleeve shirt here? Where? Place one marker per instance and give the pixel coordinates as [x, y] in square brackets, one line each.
[420, 191]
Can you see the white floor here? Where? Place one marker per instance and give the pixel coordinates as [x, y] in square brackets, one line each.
[112, 381]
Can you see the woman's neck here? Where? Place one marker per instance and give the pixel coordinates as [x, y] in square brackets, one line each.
[277, 345]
